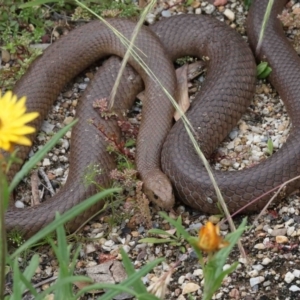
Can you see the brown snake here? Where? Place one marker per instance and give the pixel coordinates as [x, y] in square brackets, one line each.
[229, 87]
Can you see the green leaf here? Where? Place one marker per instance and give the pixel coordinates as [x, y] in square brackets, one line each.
[270, 146]
[130, 143]
[263, 70]
[37, 3]
[247, 3]
[159, 231]
[138, 285]
[155, 241]
[147, 296]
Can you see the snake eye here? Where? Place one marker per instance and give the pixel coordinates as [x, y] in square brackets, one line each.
[155, 196]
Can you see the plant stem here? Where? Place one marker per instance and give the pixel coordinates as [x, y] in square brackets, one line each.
[3, 245]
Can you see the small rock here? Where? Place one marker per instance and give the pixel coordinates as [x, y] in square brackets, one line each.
[229, 14]
[257, 267]
[58, 171]
[279, 232]
[65, 144]
[233, 134]
[68, 134]
[181, 280]
[290, 230]
[68, 94]
[47, 127]
[289, 277]
[68, 120]
[260, 246]
[46, 162]
[294, 288]
[198, 272]
[225, 162]
[266, 261]
[253, 273]
[19, 204]
[82, 86]
[281, 239]
[198, 11]
[5, 56]
[256, 280]
[90, 248]
[209, 9]
[166, 13]
[296, 273]
[190, 288]
[150, 18]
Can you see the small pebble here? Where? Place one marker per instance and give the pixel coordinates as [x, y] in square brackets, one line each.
[19, 204]
[266, 261]
[256, 280]
[229, 14]
[289, 277]
[209, 9]
[46, 162]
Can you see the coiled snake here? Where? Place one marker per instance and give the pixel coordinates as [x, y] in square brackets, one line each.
[229, 87]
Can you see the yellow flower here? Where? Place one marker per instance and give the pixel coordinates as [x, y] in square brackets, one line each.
[13, 118]
[210, 239]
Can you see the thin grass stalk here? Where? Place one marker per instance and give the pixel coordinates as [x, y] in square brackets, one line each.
[264, 25]
[3, 245]
[128, 52]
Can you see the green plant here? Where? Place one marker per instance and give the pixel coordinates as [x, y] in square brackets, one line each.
[247, 3]
[270, 146]
[263, 70]
[213, 267]
[166, 237]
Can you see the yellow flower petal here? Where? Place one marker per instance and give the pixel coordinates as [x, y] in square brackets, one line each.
[22, 140]
[13, 119]
[24, 130]
[24, 119]
[210, 239]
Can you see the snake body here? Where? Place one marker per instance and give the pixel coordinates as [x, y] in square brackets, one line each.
[229, 87]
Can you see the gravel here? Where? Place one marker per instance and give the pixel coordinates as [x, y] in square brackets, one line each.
[272, 269]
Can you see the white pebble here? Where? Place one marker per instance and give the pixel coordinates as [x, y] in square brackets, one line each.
[19, 204]
[266, 261]
[226, 267]
[126, 248]
[229, 14]
[294, 288]
[256, 280]
[209, 9]
[181, 279]
[82, 86]
[198, 272]
[290, 230]
[260, 246]
[257, 267]
[46, 162]
[289, 277]
[150, 18]
[58, 171]
[166, 13]
[253, 273]
[296, 273]
[198, 11]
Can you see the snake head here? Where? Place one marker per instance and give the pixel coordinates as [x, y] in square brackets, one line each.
[158, 189]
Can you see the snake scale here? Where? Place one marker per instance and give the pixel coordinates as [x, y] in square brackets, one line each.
[225, 96]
